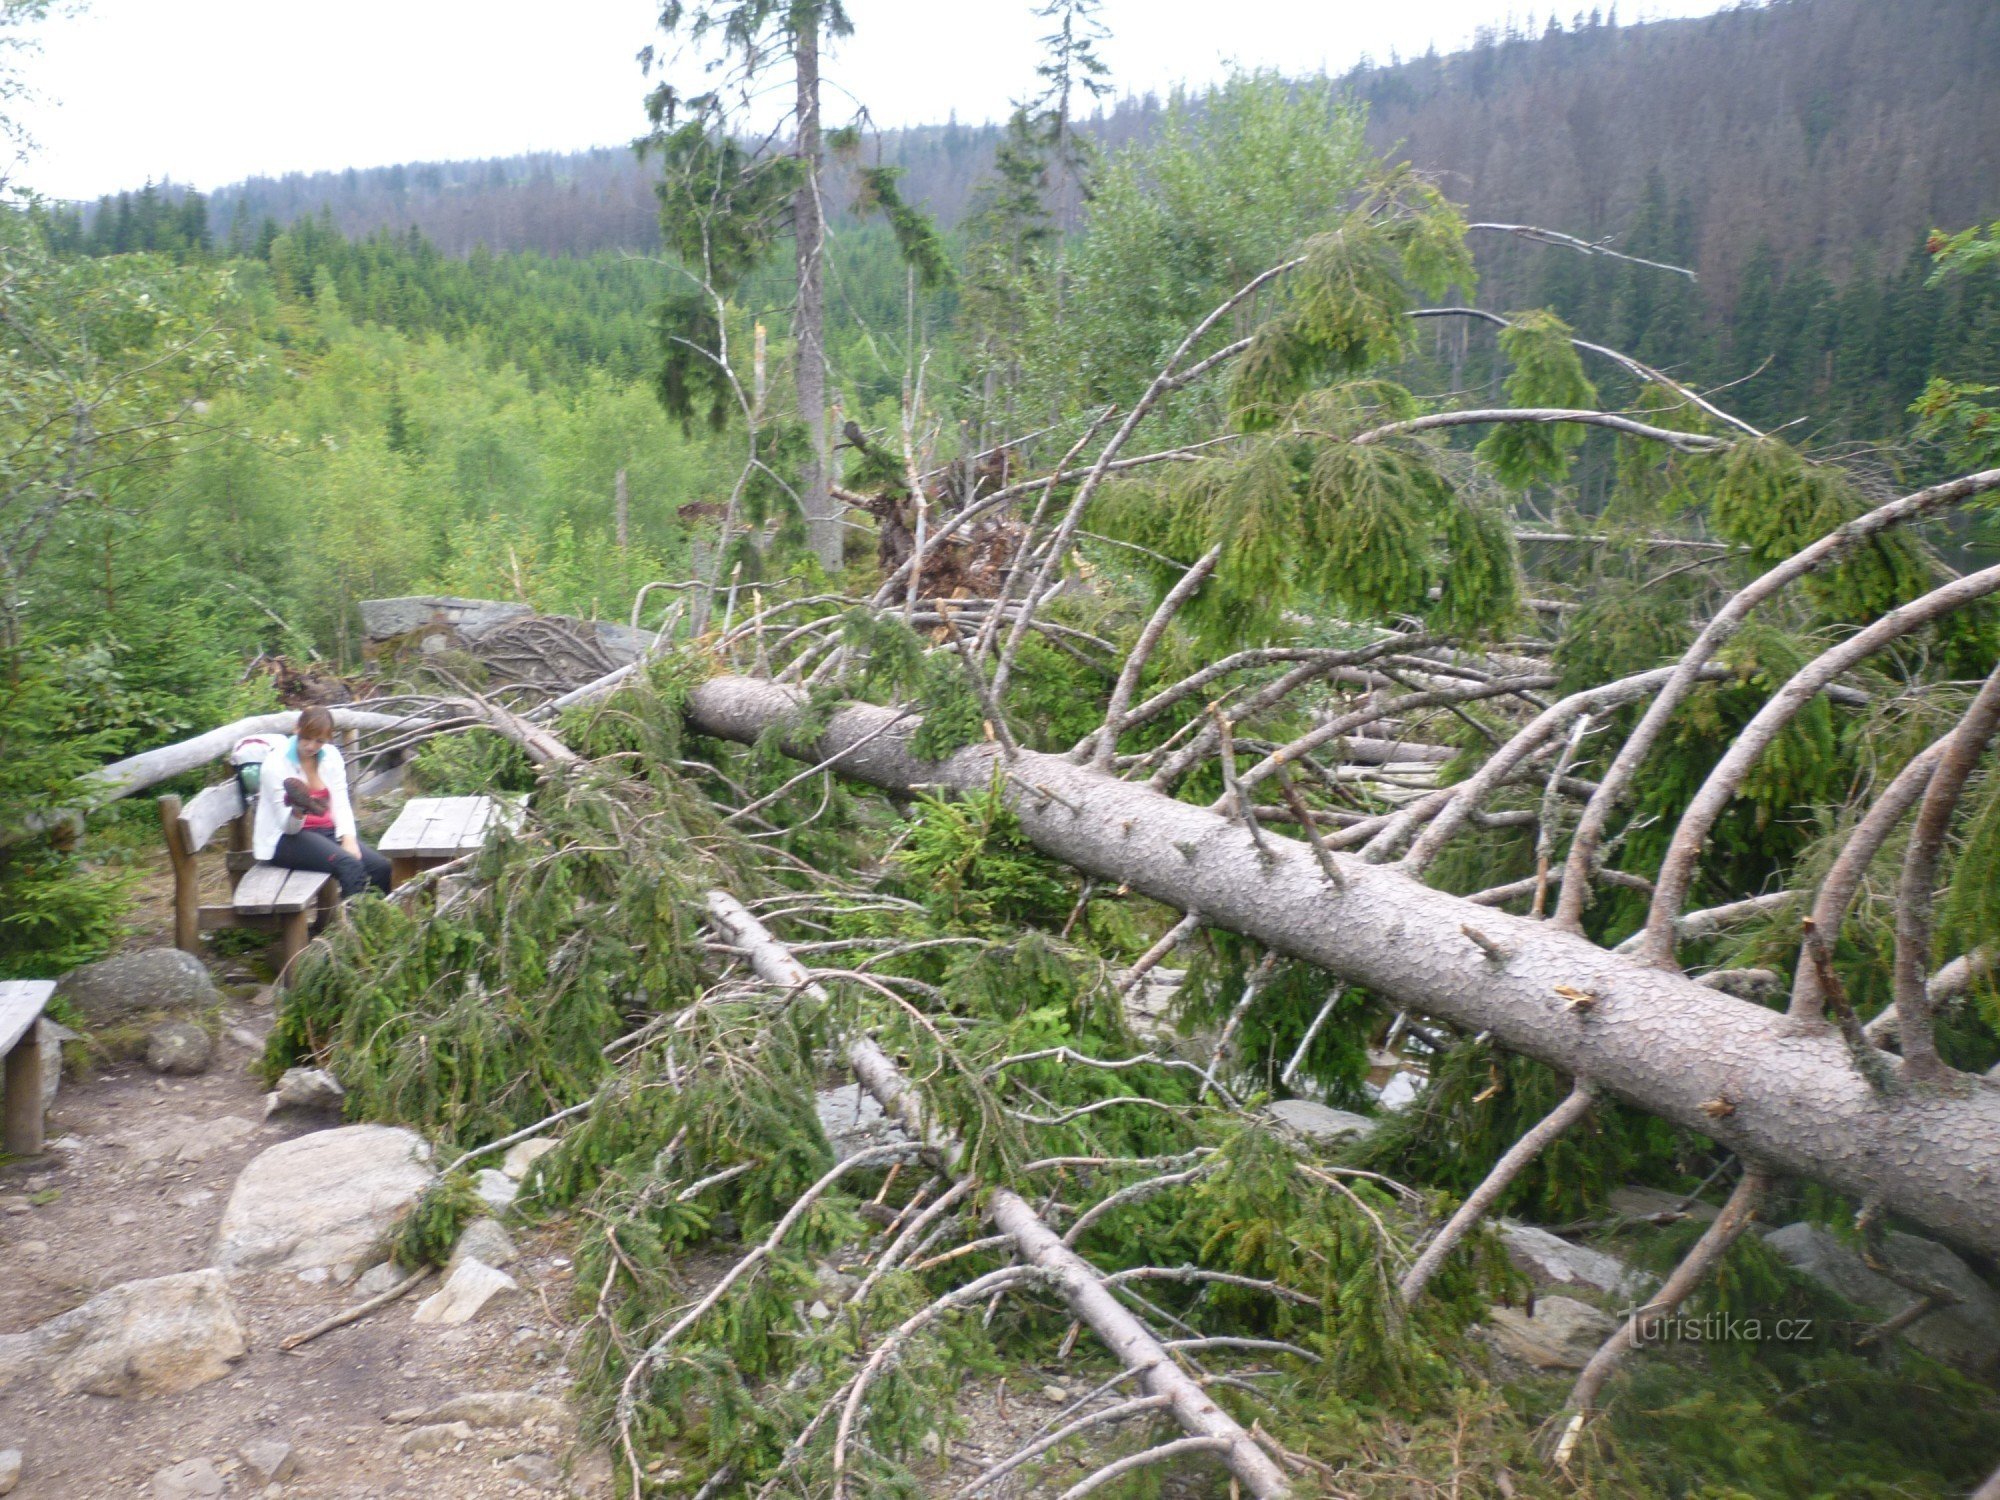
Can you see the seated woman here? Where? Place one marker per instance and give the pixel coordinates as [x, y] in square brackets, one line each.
[304, 818]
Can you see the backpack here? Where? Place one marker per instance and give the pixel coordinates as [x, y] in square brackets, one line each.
[248, 758]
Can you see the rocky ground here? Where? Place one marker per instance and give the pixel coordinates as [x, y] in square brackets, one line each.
[174, 1235]
[134, 1187]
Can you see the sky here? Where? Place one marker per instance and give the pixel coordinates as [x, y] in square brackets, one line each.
[207, 92]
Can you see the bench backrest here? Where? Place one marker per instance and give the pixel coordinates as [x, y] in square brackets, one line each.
[212, 809]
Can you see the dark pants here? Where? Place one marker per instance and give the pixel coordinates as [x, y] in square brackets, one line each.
[317, 851]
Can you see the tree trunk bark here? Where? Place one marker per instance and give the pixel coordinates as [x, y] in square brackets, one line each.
[1705, 1060]
[809, 326]
[151, 767]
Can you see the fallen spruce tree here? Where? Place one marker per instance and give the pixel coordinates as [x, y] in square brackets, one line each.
[1643, 870]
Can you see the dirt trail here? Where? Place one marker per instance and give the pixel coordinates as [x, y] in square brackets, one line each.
[133, 1185]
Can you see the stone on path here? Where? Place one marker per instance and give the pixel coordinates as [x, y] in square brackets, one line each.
[525, 1154]
[178, 1048]
[329, 1199]
[431, 1439]
[52, 1035]
[270, 1460]
[194, 1480]
[496, 1189]
[495, 1409]
[1561, 1335]
[1966, 1333]
[380, 1278]
[305, 1089]
[10, 1470]
[468, 1289]
[145, 1338]
[130, 984]
[531, 1468]
[1318, 1121]
[1551, 1259]
[483, 1239]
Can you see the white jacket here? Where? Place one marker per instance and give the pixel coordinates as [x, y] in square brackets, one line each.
[274, 819]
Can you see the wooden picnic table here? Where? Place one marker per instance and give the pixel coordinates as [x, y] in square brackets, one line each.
[21, 1005]
[436, 830]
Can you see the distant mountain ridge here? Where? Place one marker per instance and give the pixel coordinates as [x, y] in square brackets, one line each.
[1833, 132]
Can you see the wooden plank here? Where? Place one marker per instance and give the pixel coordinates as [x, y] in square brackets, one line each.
[301, 889]
[21, 1004]
[213, 809]
[443, 835]
[407, 830]
[468, 825]
[257, 893]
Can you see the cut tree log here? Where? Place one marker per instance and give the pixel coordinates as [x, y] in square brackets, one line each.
[151, 767]
[1093, 1302]
[1752, 1079]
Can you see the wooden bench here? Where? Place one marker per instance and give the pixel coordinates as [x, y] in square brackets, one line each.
[21, 1005]
[265, 896]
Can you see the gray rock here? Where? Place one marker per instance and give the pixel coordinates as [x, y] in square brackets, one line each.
[194, 1480]
[52, 1035]
[145, 1338]
[496, 1188]
[1658, 1207]
[1317, 1121]
[1149, 1007]
[307, 1089]
[431, 1439]
[1966, 1333]
[523, 1155]
[1402, 1090]
[329, 1199]
[10, 1470]
[1552, 1260]
[483, 1239]
[496, 1409]
[385, 619]
[378, 1279]
[854, 1122]
[1562, 1334]
[270, 1460]
[532, 1468]
[179, 1048]
[468, 1289]
[131, 984]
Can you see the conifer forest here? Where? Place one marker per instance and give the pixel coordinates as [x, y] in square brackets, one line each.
[1316, 763]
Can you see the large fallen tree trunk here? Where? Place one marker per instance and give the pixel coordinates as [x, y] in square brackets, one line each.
[151, 767]
[1779, 1093]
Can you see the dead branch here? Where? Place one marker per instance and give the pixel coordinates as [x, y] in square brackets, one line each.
[1586, 843]
[1036, 1244]
[357, 1312]
[1531, 1144]
[1962, 751]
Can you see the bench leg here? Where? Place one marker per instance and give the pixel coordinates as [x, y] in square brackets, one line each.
[292, 927]
[401, 868]
[24, 1095]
